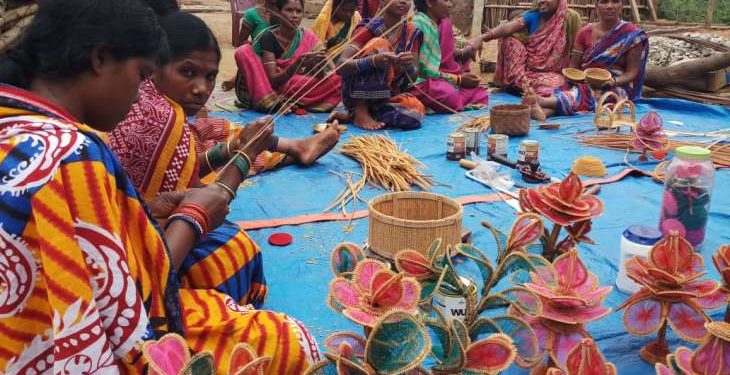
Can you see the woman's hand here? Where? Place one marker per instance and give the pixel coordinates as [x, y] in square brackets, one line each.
[256, 137]
[162, 206]
[469, 80]
[383, 60]
[406, 59]
[311, 61]
[213, 199]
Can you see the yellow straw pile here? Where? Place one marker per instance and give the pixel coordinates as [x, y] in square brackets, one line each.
[384, 165]
[589, 166]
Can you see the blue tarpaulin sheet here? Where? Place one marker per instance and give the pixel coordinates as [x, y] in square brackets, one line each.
[298, 275]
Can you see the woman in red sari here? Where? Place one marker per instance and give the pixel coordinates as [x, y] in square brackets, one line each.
[286, 66]
[618, 46]
[535, 47]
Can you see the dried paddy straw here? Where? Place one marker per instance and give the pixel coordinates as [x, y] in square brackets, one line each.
[383, 165]
[623, 142]
[482, 123]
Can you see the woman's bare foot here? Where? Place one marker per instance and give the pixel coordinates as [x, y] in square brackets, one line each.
[363, 120]
[531, 99]
[229, 84]
[343, 116]
[306, 151]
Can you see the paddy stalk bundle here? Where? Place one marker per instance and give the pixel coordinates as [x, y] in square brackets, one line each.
[383, 165]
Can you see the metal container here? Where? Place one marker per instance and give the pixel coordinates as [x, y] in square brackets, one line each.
[497, 145]
[529, 153]
[453, 305]
[455, 146]
[472, 138]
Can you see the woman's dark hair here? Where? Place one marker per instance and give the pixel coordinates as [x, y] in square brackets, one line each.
[187, 33]
[59, 41]
[162, 7]
[280, 3]
[421, 5]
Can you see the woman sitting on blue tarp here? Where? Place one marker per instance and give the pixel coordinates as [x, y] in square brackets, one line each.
[612, 44]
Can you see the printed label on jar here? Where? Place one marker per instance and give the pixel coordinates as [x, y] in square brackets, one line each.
[497, 144]
[455, 147]
[529, 152]
[451, 305]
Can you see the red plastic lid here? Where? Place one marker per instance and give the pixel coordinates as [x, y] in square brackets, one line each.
[300, 111]
[280, 239]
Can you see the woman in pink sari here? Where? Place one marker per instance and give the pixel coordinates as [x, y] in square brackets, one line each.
[444, 84]
[285, 66]
[535, 47]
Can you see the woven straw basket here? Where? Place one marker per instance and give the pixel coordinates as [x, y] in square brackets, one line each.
[412, 220]
[510, 119]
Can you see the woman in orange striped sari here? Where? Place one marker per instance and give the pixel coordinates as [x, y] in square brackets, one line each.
[87, 275]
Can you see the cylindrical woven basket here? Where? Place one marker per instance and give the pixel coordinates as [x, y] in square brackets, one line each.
[412, 220]
[510, 119]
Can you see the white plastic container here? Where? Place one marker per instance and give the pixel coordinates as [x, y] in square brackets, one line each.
[637, 240]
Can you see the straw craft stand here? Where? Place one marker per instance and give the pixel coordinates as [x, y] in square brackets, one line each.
[614, 115]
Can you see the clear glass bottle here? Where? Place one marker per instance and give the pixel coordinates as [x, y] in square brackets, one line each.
[687, 190]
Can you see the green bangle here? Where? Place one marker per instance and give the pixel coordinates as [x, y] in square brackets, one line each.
[216, 155]
[242, 164]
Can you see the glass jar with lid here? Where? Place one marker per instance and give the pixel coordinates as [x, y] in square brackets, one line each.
[687, 190]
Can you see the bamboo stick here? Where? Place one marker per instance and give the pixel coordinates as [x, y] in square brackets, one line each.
[14, 15]
[11, 36]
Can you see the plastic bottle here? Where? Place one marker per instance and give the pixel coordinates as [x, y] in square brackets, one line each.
[636, 240]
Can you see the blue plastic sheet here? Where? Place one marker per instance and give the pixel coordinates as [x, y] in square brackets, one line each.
[299, 275]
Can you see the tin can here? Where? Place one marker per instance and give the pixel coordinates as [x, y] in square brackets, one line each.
[497, 145]
[453, 305]
[455, 147]
[472, 138]
[529, 154]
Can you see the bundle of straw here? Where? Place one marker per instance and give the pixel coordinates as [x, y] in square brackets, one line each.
[720, 150]
[384, 165]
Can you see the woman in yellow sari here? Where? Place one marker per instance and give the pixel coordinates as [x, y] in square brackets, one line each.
[335, 23]
[88, 277]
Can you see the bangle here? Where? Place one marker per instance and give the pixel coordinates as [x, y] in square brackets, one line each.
[458, 80]
[242, 162]
[190, 220]
[227, 188]
[216, 154]
[195, 212]
[243, 154]
[207, 161]
[198, 209]
[228, 149]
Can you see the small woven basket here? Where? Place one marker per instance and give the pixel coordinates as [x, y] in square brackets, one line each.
[510, 119]
[412, 220]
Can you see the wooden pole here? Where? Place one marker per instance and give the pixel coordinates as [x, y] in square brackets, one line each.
[635, 11]
[659, 77]
[652, 10]
[710, 10]
[476, 22]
